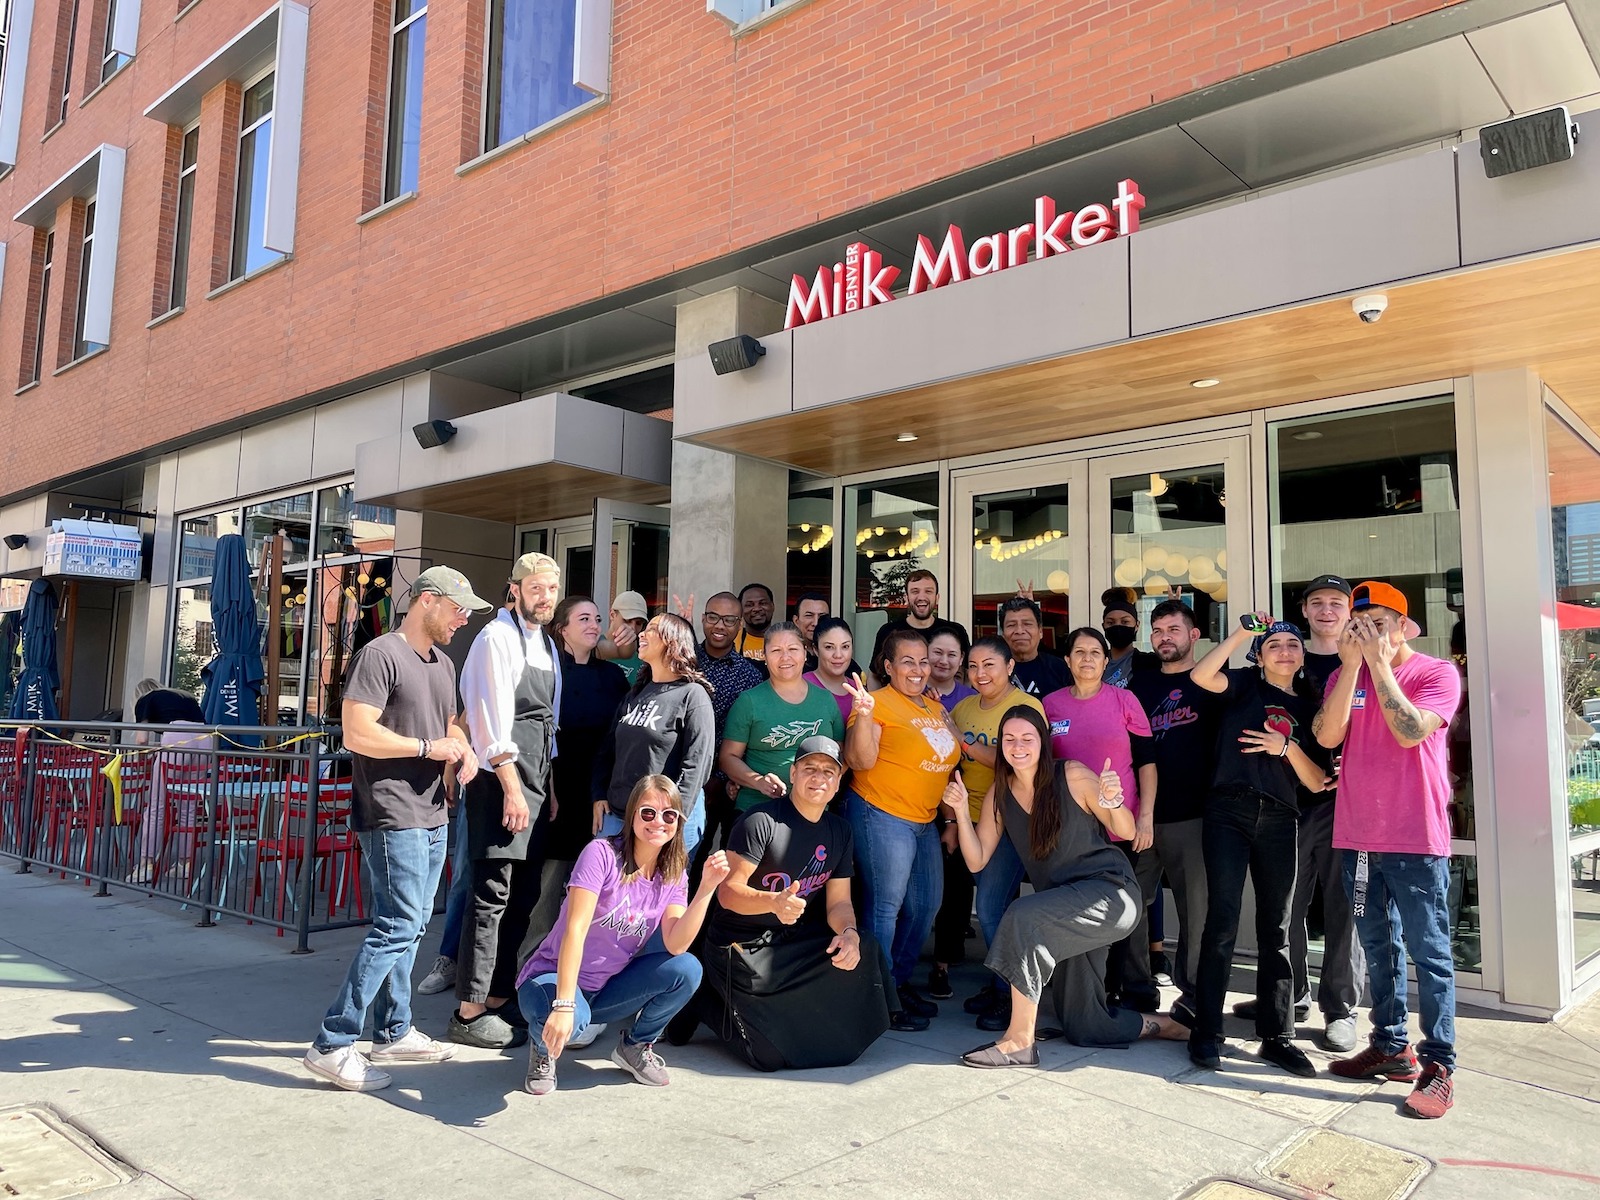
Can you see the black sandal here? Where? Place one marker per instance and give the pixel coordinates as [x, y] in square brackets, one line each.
[992, 1056]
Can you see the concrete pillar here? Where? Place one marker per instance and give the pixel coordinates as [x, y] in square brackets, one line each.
[1518, 731]
[730, 514]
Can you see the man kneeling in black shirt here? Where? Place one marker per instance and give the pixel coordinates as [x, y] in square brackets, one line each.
[790, 980]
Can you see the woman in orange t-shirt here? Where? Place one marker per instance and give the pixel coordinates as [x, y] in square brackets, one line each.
[902, 747]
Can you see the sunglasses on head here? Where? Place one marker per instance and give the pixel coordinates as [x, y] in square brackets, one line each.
[670, 815]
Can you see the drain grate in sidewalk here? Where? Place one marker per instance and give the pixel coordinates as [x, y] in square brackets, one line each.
[1326, 1163]
[43, 1157]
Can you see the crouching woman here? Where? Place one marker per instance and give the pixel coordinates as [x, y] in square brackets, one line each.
[1057, 816]
[594, 967]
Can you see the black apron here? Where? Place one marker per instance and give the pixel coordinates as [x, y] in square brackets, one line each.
[533, 726]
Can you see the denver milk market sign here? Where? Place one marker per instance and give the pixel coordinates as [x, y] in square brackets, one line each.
[862, 280]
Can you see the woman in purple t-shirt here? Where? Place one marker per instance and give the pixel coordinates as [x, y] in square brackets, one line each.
[594, 966]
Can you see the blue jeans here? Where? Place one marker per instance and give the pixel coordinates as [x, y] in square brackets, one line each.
[655, 986]
[404, 866]
[694, 826]
[997, 885]
[455, 904]
[1401, 906]
[901, 867]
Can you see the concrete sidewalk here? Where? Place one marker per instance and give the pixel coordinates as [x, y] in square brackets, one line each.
[178, 1050]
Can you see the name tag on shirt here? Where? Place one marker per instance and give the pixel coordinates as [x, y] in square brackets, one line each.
[1060, 727]
[1359, 700]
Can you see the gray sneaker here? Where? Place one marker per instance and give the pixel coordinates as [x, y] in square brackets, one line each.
[486, 1031]
[1340, 1035]
[541, 1080]
[441, 977]
[641, 1061]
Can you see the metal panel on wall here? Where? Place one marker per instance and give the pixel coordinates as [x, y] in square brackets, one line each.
[283, 155]
[1541, 209]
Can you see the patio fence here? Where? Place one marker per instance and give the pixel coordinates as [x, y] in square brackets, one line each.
[249, 822]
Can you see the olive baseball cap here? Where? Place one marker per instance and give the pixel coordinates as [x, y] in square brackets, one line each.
[534, 563]
[452, 585]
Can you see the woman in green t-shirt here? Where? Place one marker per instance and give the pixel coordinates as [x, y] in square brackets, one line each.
[768, 722]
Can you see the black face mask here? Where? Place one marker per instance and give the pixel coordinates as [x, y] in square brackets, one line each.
[1121, 636]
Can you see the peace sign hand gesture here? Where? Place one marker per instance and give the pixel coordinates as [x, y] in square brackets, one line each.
[862, 700]
[1025, 590]
[686, 611]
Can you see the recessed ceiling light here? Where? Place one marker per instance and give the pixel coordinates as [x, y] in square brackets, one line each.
[1205, 383]
[906, 437]
[1307, 435]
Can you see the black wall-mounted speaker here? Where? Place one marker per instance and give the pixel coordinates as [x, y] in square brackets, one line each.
[735, 354]
[1523, 143]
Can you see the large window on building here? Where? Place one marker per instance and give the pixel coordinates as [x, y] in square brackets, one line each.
[530, 66]
[403, 146]
[38, 306]
[250, 252]
[114, 53]
[1375, 494]
[893, 527]
[335, 595]
[80, 344]
[1575, 531]
[810, 541]
[183, 223]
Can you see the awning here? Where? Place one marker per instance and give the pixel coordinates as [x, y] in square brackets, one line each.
[1576, 616]
[536, 460]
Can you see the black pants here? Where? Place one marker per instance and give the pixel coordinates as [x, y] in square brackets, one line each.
[1344, 966]
[1247, 831]
[720, 816]
[1129, 979]
[504, 892]
[955, 911]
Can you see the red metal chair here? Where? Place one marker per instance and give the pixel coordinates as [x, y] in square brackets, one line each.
[68, 787]
[335, 853]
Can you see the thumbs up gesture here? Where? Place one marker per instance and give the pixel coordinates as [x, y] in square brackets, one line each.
[1110, 787]
[790, 906]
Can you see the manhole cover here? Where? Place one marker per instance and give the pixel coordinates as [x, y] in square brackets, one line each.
[1325, 1163]
[1226, 1189]
[44, 1158]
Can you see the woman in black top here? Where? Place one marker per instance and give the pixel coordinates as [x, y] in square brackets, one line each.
[665, 725]
[1056, 816]
[1251, 823]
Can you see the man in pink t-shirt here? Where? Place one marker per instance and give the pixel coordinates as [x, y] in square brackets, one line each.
[1391, 707]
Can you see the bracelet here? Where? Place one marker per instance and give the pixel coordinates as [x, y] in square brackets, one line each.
[423, 747]
[1284, 753]
[1117, 803]
[850, 929]
[563, 1005]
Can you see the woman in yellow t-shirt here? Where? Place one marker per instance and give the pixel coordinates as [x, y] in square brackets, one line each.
[989, 666]
[902, 746]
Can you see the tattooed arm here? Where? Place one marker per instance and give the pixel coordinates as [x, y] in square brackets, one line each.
[1411, 726]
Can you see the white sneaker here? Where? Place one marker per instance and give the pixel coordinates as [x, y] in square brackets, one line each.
[346, 1067]
[415, 1047]
[587, 1037]
[441, 977]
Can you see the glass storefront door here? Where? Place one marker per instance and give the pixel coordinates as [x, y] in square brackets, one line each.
[638, 560]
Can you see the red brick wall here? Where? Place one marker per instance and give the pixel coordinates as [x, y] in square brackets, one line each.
[709, 143]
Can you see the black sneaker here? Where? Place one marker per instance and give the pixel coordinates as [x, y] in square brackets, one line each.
[1205, 1053]
[1161, 969]
[998, 1018]
[906, 1022]
[916, 1004]
[986, 999]
[1281, 1052]
[939, 983]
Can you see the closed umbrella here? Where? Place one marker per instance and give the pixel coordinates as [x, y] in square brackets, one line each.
[40, 678]
[10, 643]
[233, 679]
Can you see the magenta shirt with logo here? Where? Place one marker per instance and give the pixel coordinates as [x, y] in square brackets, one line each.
[1394, 800]
[1093, 730]
[625, 916]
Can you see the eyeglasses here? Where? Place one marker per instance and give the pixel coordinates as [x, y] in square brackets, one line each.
[712, 618]
[670, 815]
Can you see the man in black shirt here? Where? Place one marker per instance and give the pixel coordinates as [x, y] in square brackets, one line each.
[922, 604]
[1183, 725]
[1036, 671]
[782, 945]
[1120, 623]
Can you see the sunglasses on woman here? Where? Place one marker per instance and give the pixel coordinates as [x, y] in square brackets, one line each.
[670, 815]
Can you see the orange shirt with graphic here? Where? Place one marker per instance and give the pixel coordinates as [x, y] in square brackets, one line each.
[916, 753]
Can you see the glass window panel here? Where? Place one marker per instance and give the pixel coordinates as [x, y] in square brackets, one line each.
[1575, 530]
[290, 637]
[893, 528]
[197, 547]
[647, 561]
[405, 102]
[810, 542]
[534, 541]
[1171, 532]
[1022, 535]
[79, 346]
[250, 205]
[530, 66]
[193, 643]
[292, 514]
[185, 222]
[346, 527]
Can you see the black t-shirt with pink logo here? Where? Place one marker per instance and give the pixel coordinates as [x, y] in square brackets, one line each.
[1252, 703]
[785, 847]
[1183, 727]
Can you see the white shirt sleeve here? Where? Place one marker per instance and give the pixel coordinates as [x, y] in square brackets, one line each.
[488, 689]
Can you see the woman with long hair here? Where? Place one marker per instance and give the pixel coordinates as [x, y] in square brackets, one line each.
[902, 746]
[1092, 720]
[664, 726]
[989, 667]
[596, 964]
[1059, 818]
[835, 661]
[1265, 753]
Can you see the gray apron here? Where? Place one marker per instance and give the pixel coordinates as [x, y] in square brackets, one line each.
[533, 732]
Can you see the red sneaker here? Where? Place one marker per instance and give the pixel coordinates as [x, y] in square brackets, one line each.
[1433, 1095]
[1373, 1063]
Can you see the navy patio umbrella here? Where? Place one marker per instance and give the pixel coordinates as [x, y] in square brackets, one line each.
[40, 678]
[234, 677]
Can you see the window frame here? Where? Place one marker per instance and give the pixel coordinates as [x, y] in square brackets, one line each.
[591, 64]
[42, 319]
[391, 182]
[239, 265]
[112, 60]
[188, 175]
[65, 104]
[80, 347]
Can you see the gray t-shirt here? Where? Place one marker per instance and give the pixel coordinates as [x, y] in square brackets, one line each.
[416, 697]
